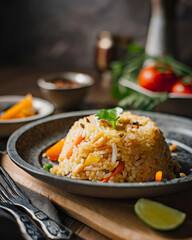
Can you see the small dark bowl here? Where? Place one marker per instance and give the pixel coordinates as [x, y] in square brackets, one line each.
[69, 95]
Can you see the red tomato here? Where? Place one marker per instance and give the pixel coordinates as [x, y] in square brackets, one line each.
[157, 78]
[181, 88]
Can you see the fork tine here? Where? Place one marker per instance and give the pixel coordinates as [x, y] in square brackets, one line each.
[11, 184]
[2, 198]
[3, 194]
[5, 188]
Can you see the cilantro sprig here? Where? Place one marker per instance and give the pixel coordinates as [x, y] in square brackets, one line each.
[110, 115]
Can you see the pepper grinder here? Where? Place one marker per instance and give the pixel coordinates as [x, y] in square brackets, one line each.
[104, 51]
[161, 33]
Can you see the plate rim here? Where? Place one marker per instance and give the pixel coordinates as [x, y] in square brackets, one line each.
[132, 85]
[15, 157]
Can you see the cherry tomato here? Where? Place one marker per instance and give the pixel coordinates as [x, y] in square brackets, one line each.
[181, 88]
[157, 78]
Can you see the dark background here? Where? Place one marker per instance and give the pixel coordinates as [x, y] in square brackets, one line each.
[63, 32]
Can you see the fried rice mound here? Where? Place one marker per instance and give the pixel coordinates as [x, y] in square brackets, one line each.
[136, 142]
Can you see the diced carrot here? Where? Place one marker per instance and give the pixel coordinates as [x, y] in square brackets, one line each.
[53, 152]
[77, 142]
[18, 108]
[120, 167]
[172, 147]
[158, 176]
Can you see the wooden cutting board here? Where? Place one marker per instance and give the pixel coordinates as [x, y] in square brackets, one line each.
[113, 218]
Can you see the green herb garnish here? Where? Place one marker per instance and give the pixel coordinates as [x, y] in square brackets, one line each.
[110, 115]
[187, 79]
[47, 166]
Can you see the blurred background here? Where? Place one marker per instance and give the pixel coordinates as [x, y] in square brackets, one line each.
[63, 33]
[51, 36]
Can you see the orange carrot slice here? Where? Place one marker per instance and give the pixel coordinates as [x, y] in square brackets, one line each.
[18, 108]
[120, 167]
[53, 152]
[77, 142]
[158, 176]
[25, 113]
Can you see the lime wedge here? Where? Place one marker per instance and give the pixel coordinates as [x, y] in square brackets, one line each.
[157, 215]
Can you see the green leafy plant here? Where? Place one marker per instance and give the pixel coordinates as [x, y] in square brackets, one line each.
[110, 115]
[129, 69]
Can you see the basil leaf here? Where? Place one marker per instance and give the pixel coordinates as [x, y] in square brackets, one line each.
[110, 115]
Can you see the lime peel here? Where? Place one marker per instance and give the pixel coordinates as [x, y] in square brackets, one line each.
[157, 215]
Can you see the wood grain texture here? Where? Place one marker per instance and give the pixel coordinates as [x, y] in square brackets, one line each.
[113, 218]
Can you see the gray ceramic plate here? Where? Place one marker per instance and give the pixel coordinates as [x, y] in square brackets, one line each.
[42, 107]
[26, 145]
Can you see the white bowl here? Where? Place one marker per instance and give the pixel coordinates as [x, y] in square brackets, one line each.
[7, 127]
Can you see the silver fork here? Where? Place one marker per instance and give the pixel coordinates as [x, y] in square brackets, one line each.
[29, 230]
[12, 194]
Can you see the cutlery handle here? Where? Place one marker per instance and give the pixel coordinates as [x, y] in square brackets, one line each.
[28, 228]
[52, 229]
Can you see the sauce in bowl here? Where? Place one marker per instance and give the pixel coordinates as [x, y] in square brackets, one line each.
[62, 83]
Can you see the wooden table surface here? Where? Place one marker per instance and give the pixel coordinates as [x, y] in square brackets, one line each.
[20, 80]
